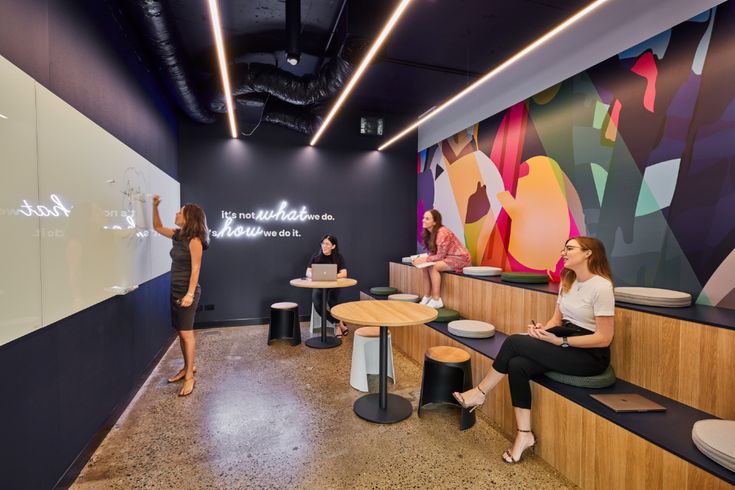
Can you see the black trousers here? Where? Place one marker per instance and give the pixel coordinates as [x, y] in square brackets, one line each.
[522, 357]
[332, 299]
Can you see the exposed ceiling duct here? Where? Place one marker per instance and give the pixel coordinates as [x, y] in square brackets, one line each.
[304, 119]
[295, 102]
[250, 78]
[157, 27]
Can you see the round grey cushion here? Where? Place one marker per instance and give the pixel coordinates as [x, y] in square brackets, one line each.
[716, 439]
[603, 380]
[383, 290]
[472, 329]
[411, 298]
[653, 297]
[482, 271]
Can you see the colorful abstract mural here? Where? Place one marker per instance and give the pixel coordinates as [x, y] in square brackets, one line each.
[638, 151]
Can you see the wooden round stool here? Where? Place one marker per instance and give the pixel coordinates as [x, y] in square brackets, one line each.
[446, 370]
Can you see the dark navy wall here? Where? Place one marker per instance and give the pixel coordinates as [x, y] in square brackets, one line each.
[368, 192]
[61, 383]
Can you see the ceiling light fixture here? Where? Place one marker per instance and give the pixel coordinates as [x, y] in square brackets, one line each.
[293, 31]
[520, 54]
[3, 116]
[217, 31]
[365, 62]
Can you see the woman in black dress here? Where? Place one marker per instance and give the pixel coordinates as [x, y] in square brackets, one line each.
[329, 254]
[190, 239]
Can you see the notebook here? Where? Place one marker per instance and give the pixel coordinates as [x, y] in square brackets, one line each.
[628, 402]
[323, 272]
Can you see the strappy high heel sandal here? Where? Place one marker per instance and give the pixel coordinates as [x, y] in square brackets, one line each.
[508, 454]
[460, 399]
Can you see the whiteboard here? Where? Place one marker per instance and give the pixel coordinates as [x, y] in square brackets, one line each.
[89, 197]
[20, 246]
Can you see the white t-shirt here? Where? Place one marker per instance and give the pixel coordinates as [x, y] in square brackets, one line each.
[586, 300]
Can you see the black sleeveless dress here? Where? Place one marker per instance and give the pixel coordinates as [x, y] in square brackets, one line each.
[182, 318]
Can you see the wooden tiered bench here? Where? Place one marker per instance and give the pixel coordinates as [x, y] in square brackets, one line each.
[682, 358]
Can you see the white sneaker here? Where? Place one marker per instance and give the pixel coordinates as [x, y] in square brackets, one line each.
[425, 300]
[436, 303]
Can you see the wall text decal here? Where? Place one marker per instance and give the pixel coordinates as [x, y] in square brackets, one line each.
[281, 214]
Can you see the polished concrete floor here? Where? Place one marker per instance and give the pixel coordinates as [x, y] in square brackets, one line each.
[281, 417]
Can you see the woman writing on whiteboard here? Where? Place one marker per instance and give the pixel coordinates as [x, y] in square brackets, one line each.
[445, 251]
[189, 240]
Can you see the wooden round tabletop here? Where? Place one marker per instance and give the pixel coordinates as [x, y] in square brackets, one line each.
[308, 283]
[386, 313]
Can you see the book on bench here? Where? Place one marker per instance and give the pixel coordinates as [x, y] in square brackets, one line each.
[422, 265]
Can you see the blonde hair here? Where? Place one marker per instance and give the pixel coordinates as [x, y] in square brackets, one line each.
[597, 262]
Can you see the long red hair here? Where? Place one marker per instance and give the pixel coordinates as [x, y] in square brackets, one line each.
[597, 262]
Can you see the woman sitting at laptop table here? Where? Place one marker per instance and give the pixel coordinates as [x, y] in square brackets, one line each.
[329, 254]
[576, 339]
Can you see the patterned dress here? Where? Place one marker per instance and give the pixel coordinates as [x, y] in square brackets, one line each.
[450, 250]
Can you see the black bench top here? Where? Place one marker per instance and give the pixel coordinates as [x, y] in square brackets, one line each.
[708, 315]
[670, 430]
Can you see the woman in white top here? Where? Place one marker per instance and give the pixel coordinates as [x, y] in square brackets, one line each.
[576, 339]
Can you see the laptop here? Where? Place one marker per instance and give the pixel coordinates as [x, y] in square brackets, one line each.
[628, 402]
[323, 272]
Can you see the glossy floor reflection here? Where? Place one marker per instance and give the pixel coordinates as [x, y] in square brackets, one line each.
[281, 417]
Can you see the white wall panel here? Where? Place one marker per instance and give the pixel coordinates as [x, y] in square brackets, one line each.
[20, 242]
[89, 234]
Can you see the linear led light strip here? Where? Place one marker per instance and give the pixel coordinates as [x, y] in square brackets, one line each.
[538, 42]
[365, 62]
[217, 30]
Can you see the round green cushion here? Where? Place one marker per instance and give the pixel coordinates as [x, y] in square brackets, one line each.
[603, 380]
[446, 315]
[383, 290]
[525, 277]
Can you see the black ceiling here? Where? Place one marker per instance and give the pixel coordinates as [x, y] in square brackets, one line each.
[437, 48]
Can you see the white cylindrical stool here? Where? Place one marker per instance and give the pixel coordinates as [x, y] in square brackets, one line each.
[366, 357]
[316, 321]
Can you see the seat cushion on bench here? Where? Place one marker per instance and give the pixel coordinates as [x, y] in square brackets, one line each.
[524, 277]
[411, 298]
[383, 290]
[666, 298]
[603, 380]
[446, 315]
[716, 439]
[472, 329]
[482, 271]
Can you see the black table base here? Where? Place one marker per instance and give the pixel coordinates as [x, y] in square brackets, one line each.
[324, 342]
[397, 409]
[318, 343]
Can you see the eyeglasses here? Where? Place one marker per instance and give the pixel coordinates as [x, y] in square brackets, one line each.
[569, 248]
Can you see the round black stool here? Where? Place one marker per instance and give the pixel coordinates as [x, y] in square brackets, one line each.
[284, 323]
[446, 370]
